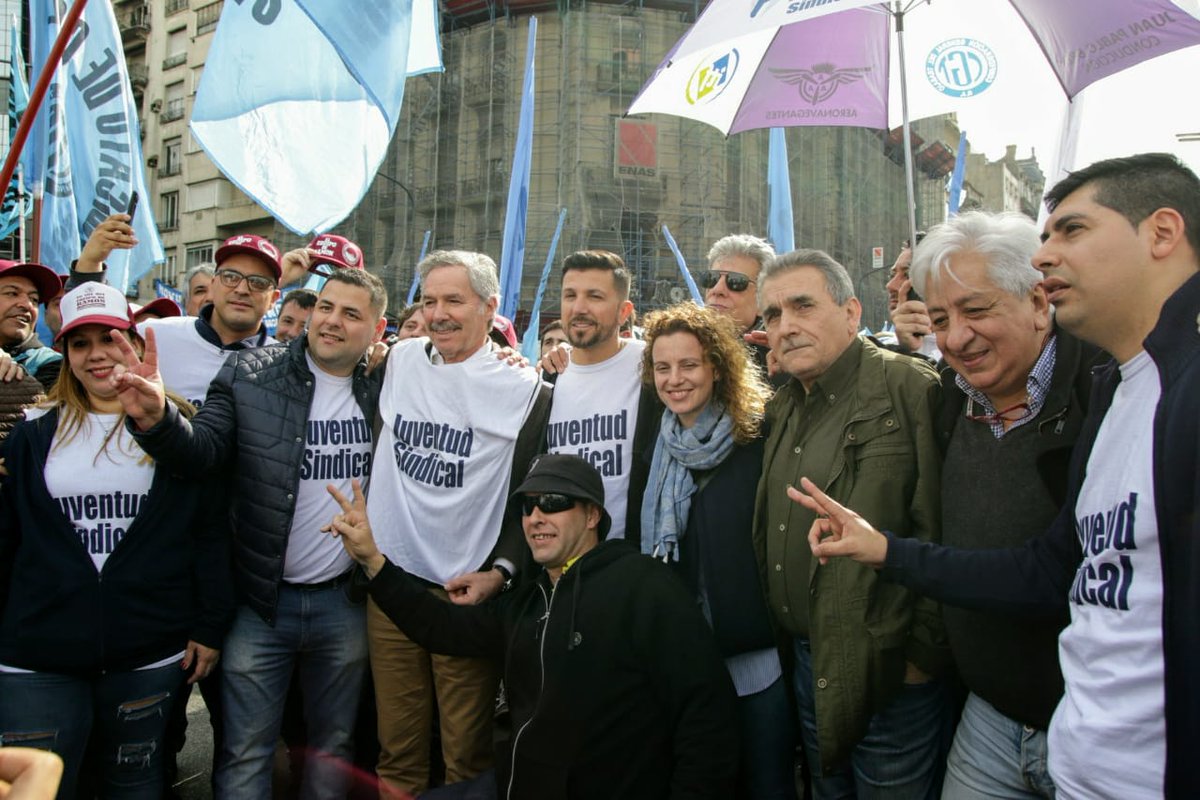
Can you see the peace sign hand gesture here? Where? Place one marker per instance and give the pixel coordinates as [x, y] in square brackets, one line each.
[354, 529]
[139, 386]
[837, 531]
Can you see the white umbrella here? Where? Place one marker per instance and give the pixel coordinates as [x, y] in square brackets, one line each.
[750, 64]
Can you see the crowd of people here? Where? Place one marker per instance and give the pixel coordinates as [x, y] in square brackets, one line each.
[963, 565]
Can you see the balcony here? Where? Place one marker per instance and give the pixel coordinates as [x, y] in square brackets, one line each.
[167, 170]
[135, 25]
[174, 61]
[175, 6]
[172, 111]
[207, 17]
[139, 75]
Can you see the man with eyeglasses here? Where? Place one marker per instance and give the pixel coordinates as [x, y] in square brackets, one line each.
[1015, 392]
[731, 282]
[614, 684]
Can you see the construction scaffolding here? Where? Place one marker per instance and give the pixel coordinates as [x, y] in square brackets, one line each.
[619, 178]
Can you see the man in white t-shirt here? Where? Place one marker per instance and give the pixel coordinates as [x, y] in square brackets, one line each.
[457, 425]
[601, 410]
[1121, 259]
[286, 422]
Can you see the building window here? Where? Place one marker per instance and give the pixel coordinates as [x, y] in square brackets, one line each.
[201, 196]
[168, 218]
[172, 161]
[174, 106]
[176, 49]
[175, 6]
[207, 16]
[198, 254]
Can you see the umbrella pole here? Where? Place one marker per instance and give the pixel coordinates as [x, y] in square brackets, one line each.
[898, 13]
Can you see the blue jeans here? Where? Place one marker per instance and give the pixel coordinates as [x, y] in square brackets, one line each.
[122, 714]
[995, 756]
[322, 634]
[768, 770]
[899, 758]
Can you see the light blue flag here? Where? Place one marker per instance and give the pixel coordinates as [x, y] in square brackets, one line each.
[781, 225]
[18, 99]
[19, 90]
[94, 157]
[687, 276]
[531, 343]
[416, 281]
[956, 178]
[512, 249]
[162, 289]
[304, 136]
[46, 159]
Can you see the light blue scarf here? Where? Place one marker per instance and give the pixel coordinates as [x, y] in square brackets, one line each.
[670, 487]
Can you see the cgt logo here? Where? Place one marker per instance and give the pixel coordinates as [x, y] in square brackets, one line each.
[961, 67]
[712, 77]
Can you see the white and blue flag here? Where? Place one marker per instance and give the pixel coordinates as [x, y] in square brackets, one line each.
[303, 135]
[86, 156]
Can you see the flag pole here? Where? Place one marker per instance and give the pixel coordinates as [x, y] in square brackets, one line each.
[39, 91]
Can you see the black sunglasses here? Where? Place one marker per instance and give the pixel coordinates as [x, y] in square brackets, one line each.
[230, 278]
[547, 503]
[736, 281]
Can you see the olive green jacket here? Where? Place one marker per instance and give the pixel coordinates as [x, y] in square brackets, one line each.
[887, 469]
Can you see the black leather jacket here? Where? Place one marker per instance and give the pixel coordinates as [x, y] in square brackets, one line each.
[253, 420]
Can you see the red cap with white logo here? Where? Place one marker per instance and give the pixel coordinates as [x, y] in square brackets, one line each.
[330, 250]
[252, 245]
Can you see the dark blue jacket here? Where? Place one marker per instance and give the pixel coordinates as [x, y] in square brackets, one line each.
[167, 581]
[254, 421]
[1038, 576]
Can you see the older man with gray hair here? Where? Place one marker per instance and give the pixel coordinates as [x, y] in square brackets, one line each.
[458, 427]
[859, 421]
[1015, 394]
[730, 283]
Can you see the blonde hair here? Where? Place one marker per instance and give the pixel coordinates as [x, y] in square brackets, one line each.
[738, 385]
[68, 396]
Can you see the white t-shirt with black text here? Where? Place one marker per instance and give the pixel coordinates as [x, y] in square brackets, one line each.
[440, 483]
[98, 488]
[1108, 736]
[337, 449]
[594, 415]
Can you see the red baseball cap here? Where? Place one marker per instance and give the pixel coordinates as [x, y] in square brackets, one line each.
[252, 245]
[48, 284]
[160, 307]
[334, 251]
[94, 303]
[504, 327]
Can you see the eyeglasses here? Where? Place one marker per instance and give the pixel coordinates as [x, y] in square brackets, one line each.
[230, 278]
[735, 281]
[547, 503]
[1010, 415]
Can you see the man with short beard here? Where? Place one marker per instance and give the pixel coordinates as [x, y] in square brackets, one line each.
[601, 411]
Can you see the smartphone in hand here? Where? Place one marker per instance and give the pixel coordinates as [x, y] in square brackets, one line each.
[131, 209]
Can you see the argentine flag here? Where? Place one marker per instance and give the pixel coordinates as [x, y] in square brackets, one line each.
[299, 99]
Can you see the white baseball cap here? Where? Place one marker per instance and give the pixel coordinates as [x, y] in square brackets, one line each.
[94, 304]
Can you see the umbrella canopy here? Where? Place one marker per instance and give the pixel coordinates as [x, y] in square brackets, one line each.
[750, 64]
[1005, 64]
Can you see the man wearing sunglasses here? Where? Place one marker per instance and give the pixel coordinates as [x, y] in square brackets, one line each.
[731, 282]
[614, 684]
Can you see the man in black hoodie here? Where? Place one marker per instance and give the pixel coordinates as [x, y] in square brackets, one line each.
[620, 692]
